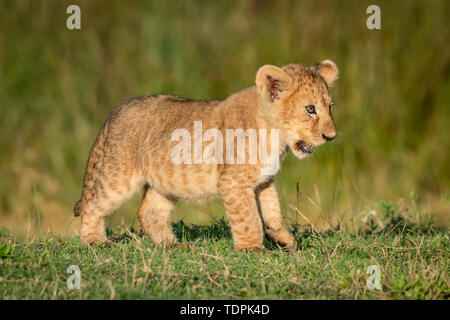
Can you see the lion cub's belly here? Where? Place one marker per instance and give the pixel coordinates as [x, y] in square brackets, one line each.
[194, 182]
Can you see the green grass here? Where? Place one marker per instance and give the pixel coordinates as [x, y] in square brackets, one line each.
[413, 260]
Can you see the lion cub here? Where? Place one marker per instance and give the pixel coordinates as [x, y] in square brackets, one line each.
[190, 149]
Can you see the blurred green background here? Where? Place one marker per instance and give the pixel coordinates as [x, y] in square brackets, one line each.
[392, 109]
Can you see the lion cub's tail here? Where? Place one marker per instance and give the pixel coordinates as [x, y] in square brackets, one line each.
[93, 168]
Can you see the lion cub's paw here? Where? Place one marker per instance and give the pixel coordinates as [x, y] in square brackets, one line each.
[283, 238]
[253, 249]
[290, 245]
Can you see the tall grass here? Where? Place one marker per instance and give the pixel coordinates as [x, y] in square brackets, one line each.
[392, 100]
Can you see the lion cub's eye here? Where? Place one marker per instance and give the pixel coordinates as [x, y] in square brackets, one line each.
[311, 109]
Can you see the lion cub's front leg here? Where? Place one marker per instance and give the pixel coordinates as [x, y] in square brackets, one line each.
[269, 205]
[246, 226]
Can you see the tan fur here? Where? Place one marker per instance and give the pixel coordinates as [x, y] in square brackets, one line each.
[134, 150]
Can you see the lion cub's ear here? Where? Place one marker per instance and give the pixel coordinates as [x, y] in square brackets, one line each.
[328, 70]
[272, 82]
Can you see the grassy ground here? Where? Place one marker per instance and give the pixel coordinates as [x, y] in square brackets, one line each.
[413, 258]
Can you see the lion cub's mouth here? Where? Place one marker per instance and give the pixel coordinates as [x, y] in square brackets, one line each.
[304, 147]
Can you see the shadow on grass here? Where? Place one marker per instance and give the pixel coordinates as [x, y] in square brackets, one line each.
[218, 229]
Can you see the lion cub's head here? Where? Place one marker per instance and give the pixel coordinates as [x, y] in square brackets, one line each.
[296, 100]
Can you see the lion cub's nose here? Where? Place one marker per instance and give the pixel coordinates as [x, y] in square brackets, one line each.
[329, 138]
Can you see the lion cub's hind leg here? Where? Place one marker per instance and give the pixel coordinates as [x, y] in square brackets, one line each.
[107, 196]
[154, 215]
